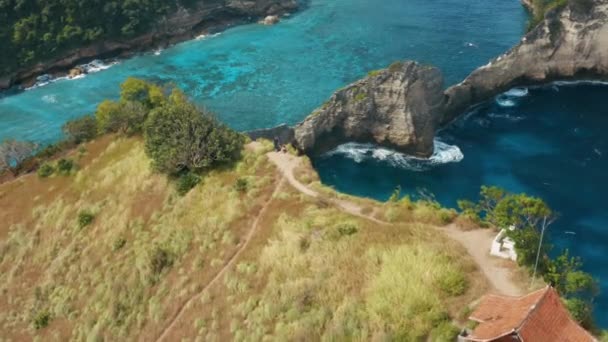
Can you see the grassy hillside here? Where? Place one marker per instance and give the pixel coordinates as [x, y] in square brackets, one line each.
[112, 252]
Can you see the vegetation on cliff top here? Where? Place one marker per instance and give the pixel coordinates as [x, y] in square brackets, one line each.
[529, 216]
[32, 31]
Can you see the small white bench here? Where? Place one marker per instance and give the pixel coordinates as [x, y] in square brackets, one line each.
[503, 246]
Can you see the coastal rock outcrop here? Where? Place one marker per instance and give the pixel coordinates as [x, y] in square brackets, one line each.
[570, 44]
[398, 107]
[185, 23]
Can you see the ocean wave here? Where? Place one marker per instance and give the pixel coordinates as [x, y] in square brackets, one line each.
[443, 154]
[49, 98]
[508, 117]
[517, 92]
[88, 68]
[504, 101]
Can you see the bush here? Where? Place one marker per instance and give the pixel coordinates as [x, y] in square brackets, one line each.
[85, 218]
[126, 117]
[119, 243]
[160, 260]
[187, 182]
[41, 319]
[179, 137]
[81, 129]
[444, 332]
[241, 185]
[65, 166]
[453, 283]
[45, 170]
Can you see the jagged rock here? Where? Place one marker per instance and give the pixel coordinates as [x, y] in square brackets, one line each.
[398, 107]
[570, 44]
[283, 132]
[270, 20]
[74, 72]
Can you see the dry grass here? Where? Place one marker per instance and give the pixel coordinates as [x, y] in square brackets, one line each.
[311, 272]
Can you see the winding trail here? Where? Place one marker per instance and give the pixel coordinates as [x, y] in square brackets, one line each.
[287, 163]
[498, 276]
[254, 227]
[476, 242]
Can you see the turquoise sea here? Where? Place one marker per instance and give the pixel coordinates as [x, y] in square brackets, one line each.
[547, 141]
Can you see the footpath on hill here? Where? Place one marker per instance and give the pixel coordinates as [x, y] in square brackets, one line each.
[477, 242]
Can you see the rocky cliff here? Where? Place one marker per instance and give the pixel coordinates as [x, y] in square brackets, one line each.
[182, 25]
[570, 44]
[398, 107]
[402, 107]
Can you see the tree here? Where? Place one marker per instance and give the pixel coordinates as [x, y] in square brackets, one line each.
[137, 90]
[81, 129]
[179, 137]
[13, 153]
[125, 117]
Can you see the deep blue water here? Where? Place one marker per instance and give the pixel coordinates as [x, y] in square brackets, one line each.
[254, 76]
[551, 143]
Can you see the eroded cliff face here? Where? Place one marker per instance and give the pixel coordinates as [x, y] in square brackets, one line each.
[181, 25]
[569, 44]
[398, 107]
[401, 108]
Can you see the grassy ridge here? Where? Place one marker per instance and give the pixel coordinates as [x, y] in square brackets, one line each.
[111, 251]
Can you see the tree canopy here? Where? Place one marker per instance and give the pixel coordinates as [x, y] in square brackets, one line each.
[32, 31]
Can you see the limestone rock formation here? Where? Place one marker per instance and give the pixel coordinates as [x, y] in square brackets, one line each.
[270, 20]
[398, 107]
[570, 44]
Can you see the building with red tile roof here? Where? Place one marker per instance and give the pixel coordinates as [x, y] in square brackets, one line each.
[537, 317]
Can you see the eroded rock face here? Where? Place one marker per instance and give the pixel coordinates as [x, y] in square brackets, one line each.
[569, 44]
[398, 107]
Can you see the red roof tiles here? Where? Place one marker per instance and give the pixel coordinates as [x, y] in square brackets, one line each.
[537, 317]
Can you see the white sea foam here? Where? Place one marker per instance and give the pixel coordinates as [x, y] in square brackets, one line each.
[504, 101]
[517, 92]
[508, 117]
[443, 154]
[88, 68]
[49, 98]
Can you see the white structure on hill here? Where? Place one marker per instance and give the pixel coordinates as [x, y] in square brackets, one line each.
[503, 246]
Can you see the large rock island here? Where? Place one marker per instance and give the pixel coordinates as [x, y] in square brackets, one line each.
[398, 107]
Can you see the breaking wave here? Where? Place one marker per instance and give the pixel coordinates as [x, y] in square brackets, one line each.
[88, 68]
[517, 92]
[358, 152]
[504, 101]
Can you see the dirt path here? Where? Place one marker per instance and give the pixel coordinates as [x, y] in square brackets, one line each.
[476, 242]
[286, 163]
[254, 227]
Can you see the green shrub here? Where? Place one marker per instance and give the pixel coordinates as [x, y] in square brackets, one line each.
[347, 229]
[187, 182]
[65, 166]
[396, 66]
[360, 97]
[160, 260]
[179, 137]
[85, 218]
[446, 216]
[453, 283]
[241, 185]
[45, 170]
[41, 319]
[119, 243]
[81, 129]
[444, 332]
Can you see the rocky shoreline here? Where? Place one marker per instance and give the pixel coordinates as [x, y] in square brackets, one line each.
[205, 17]
[571, 43]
